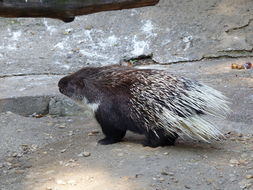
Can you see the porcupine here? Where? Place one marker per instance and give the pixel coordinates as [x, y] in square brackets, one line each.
[146, 101]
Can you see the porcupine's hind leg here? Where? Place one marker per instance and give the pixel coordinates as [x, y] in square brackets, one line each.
[110, 125]
[159, 137]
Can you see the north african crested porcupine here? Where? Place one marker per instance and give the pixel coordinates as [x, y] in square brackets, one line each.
[146, 101]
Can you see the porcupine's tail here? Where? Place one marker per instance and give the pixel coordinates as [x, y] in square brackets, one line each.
[210, 102]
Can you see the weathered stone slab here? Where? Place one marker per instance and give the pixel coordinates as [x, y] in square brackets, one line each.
[22, 86]
[172, 31]
[27, 95]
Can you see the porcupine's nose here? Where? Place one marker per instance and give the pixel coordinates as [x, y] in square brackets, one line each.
[62, 84]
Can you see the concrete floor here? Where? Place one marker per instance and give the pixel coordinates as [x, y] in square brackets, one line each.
[44, 153]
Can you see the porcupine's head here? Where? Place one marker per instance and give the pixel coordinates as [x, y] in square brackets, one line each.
[72, 87]
[78, 86]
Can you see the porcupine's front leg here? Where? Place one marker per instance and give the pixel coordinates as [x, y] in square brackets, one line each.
[110, 125]
[159, 137]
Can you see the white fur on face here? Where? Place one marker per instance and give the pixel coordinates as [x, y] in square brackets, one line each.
[92, 106]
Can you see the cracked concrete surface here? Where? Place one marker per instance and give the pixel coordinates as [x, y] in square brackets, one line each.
[44, 152]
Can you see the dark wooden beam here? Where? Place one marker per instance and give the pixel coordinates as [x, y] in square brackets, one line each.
[65, 10]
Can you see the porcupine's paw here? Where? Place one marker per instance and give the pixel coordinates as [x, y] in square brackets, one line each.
[157, 144]
[106, 141]
[150, 144]
[162, 140]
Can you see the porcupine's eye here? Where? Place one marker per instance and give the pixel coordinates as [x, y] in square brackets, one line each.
[76, 87]
[79, 83]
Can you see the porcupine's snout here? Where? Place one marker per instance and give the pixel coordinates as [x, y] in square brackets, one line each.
[62, 84]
